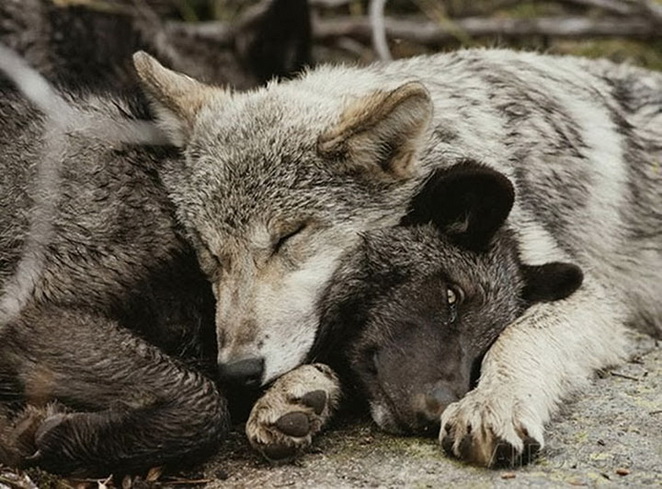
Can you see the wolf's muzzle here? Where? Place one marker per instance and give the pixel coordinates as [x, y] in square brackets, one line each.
[247, 372]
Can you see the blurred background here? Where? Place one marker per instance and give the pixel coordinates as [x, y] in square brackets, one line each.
[618, 29]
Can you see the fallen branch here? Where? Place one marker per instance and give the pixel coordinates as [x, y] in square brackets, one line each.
[613, 6]
[426, 32]
[647, 8]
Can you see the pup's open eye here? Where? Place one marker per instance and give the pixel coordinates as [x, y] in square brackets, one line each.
[451, 297]
[454, 295]
[283, 239]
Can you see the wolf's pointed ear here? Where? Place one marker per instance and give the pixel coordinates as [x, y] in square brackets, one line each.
[381, 132]
[177, 97]
[551, 281]
[468, 202]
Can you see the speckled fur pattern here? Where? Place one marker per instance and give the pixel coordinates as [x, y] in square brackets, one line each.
[271, 205]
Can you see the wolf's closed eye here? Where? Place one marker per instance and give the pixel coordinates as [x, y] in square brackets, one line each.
[286, 237]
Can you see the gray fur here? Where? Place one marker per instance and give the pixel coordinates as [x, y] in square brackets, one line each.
[279, 183]
[114, 262]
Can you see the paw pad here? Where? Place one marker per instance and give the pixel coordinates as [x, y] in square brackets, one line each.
[277, 452]
[285, 419]
[294, 424]
[316, 400]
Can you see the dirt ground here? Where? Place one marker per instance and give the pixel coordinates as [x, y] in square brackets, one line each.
[609, 436]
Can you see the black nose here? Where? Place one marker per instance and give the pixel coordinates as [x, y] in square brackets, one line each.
[440, 397]
[428, 415]
[247, 372]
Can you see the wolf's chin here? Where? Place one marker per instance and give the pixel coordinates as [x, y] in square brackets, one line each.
[384, 418]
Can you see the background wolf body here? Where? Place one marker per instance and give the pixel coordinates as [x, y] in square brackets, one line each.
[120, 294]
[114, 261]
[78, 45]
[342, 150]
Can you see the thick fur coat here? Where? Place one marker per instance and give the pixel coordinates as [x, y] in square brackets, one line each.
[277, 184]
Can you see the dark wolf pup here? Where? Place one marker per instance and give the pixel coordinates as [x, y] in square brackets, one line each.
[117, 321]
[279, 183]
[417, 307]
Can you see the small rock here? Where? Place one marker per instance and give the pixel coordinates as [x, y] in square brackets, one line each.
[622, 471]
[508, 475]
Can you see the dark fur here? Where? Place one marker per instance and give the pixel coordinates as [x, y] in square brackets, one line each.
[77, 45]
[411, 351]
[120, 327]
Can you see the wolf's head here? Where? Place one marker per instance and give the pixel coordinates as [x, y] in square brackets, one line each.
[418, 305]
[274, 187]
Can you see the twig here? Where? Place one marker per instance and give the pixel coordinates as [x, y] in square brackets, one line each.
[188, 481]
[652, 10]
[376, 16]
[425, 32]
[329, 3]
[624, 376]
[646, 8]
[614, 6]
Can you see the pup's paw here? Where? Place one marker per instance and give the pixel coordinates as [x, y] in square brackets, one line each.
[491, 429]
[295, 408]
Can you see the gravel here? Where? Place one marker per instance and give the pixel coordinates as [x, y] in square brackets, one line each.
[608, 436]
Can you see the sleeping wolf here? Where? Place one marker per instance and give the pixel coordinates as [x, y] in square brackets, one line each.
[277, 184]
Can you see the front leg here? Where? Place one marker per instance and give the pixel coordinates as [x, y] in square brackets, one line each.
[131, 407]
[539, 360]
[294, 409]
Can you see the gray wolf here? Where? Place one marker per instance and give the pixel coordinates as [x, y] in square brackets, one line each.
[417, 307]
[277, 184]
[104, 361]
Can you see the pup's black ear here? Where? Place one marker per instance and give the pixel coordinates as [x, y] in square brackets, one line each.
[468, 202]
[551, 281]
[275, 38]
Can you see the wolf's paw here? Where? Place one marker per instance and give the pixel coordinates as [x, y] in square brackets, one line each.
[18, 432]
[52, 440]
[491, 430]
[295, 408]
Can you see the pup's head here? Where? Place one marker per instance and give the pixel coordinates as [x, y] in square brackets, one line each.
[420, 304]
[275, 186]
